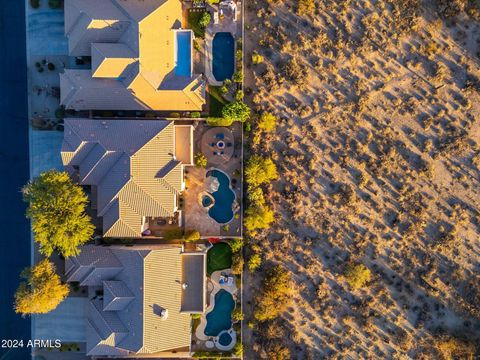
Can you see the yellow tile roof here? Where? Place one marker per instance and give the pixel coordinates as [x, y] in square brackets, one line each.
[147, 75]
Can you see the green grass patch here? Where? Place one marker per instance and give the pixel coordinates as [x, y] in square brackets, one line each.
[219, 257]
[217, 102]
[194, 16]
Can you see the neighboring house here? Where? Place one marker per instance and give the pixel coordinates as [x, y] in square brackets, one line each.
[135, 169]
[140, 298]
[141, 57]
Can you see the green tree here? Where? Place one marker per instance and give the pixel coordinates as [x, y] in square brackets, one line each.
[204, 19]
[200, 160]
[237, 314]
[267, 122]
[276, 294]
[236, 244]
[254, 262]
[57, 210]
[260, 170]
[238, 76]
[357, 275]
[258, 217]
[42, 291]
[236, 111]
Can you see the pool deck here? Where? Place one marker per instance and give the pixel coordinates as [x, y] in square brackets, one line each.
[196, 215]
[225, 25]
[232, 289]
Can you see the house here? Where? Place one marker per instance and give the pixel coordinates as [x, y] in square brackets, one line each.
[140, 299]
[141, 57]
[134, 168]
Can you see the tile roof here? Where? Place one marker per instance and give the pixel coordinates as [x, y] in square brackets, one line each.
[151, 278]
[133, 45]
[132, 165]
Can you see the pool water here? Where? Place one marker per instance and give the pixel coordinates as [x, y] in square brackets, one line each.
[223, 56]
[221, 211]
[206, 201]
[220, 318]
[225, 339]
[184, 54]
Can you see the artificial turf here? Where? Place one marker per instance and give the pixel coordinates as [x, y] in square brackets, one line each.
[219, 257]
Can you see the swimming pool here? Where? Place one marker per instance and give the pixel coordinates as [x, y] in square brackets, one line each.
[225, 339]
[221, 211]
[183, 61]
[220, 318]
[223, 63]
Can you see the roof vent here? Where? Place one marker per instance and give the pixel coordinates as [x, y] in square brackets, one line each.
[164, 314]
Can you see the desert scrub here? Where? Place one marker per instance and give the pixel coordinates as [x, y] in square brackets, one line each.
[357, 275]
[200, 160]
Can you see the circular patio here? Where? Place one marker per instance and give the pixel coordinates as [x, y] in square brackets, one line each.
[217, 145]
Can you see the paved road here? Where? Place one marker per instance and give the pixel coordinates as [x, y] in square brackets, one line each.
[14, 171]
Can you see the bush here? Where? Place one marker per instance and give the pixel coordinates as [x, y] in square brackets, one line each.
[236, 244]
[35, 4]
[357, 275]
[258, 217]
[257, 58]
[254, 262]
[237, 314]
[238, 76]
[51, 66]
[192, 235]
[305, 7]
[42, 291]
[215, 121]
[200, 160]
[236, 111]
[195, 115]
[239, 95]
[267, 122]
[205, 19]
[57, 210]
[260, 170]
[238, 348]
[276, 294]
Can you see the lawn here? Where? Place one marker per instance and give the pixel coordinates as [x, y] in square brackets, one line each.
[219, 257]
[217, 102]
[194, 16]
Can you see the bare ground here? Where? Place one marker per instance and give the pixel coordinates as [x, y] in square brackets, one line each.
[378, 149]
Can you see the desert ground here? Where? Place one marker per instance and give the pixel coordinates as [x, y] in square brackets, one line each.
[377, 147]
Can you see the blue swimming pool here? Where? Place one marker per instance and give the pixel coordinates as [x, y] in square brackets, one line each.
[223, 64]
[225, 339]
[221, 211]
[184, 53]
[220, 318]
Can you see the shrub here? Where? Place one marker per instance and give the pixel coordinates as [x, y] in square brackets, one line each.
[357, 275]
[236, 244]
[239, 95]
[258, 217]
[42, 291]
[257, 58]
[238, 348]
[254, 262]
[237, 314]
[454, 348]
[192, 235]
[238, 76]
[57, 210]
[260, 170]
[275, 295]
[200, 160]
[215, 121]
[267, 122]
[236, 111]
[51, 66]
[205, 19]
[195, 115]
[55, 4]
[305, 7]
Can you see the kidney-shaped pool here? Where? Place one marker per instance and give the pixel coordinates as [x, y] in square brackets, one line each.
[221, 211]
[220, 318]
